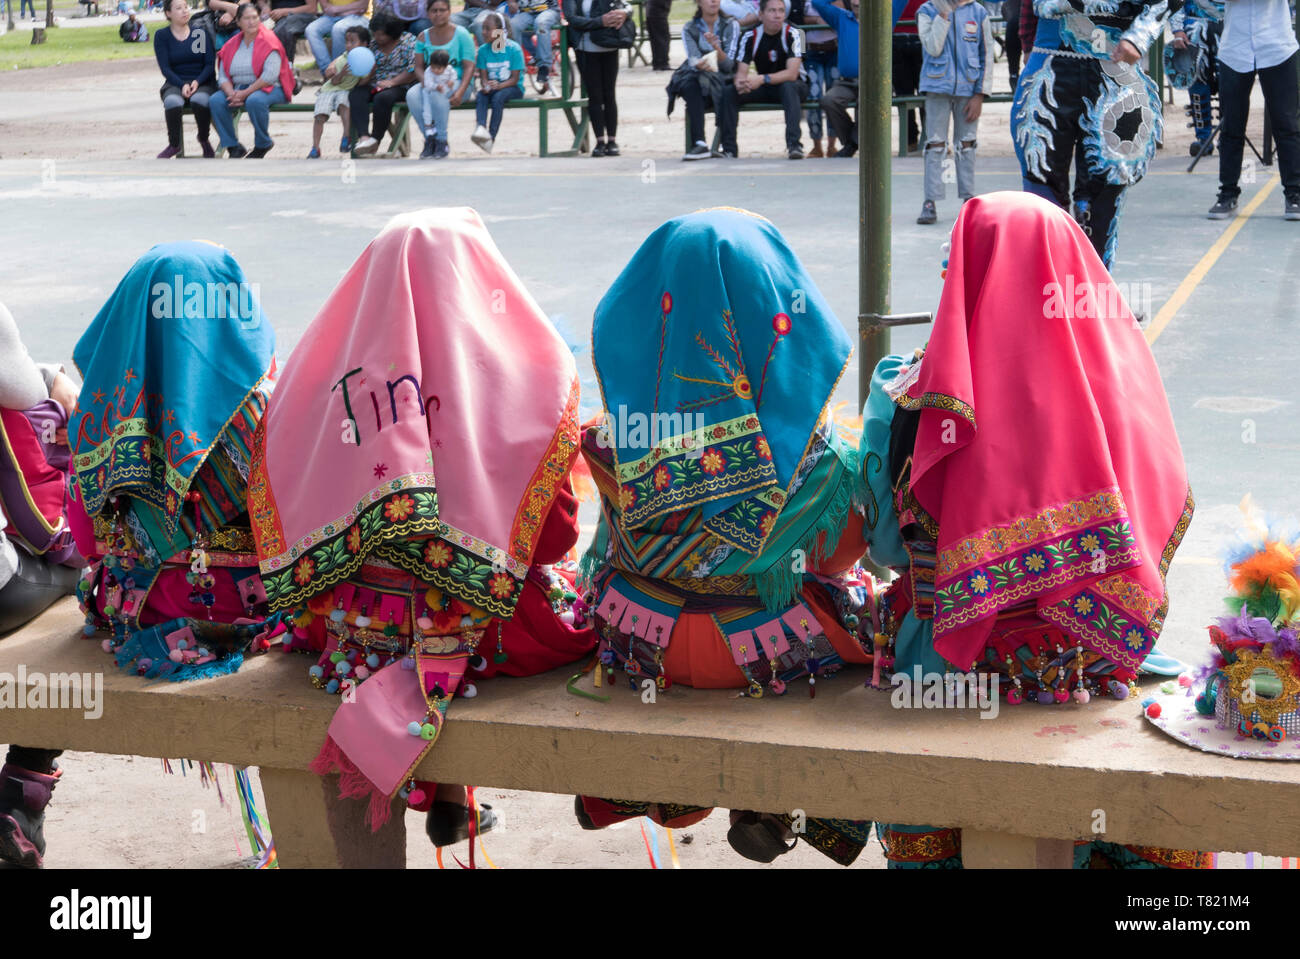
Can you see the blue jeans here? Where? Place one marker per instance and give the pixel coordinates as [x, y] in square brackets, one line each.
[25, 5]
[497, 101]
[418, 27]
[258, 108]
[438, 105]
[822, 74]
[538, 45]
[472, 20]
[335, 29]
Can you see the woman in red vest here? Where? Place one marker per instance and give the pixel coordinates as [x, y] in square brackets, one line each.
[253, 73]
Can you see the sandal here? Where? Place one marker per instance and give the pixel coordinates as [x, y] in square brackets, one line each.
[759, 837]
[448, 822]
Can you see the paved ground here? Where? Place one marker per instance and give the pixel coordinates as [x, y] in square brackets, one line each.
[71, 228]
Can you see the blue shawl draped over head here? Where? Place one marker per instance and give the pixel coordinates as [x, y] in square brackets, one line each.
[716, 356]
[167, 361]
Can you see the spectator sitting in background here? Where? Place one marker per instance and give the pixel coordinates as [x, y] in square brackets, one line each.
[500, 64]
[133, 29]
[290, 20]
[188, 63]
[327, 34]
[471, 18]
[711, 39]
[747, 12]
[455, 41]
[958, 74]
[843, 94]
[409, 12]
[775, 50]
[906, 71]
[333, 94]
[394, 73]
[253, 73]
[538, 18]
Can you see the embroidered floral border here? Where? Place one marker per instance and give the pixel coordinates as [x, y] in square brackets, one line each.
[684, 443]
[726, 469]
[547, 480]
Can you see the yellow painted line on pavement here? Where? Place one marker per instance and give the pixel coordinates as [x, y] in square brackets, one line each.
[1193, 279]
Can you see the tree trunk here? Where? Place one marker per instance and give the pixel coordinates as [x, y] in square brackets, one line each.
[49, 13]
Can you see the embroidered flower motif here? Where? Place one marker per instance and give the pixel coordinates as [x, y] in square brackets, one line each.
[662, 478]
[761, 447]
[502, 586]
[437, 554]
[978, 583]
[171, 496]
[626, 497]
[713, 462]
[1089, 542]
[399, 508]
[354, 539]
[380, 470]
[765, 524]
[666, 302]
[719, 432]
[302, 574]
[1035, 561]
[1135, 638]
[781, 324]
[751, 423]
[1083, 605]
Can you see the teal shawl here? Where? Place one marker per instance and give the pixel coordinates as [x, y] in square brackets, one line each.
[167, 362]
[716, 356]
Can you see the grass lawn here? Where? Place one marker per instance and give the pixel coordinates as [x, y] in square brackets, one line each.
[68, 45]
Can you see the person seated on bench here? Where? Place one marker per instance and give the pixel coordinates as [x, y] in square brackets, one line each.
[133, 29]
[333, 94]
[454, 499]
[711, 39]
[728, 540]
[290, 20]
[178, 365]
[327, 34]
[531, 23]
[410, 13]
[471, 17]
[432, 107]
[775, 49]
[1059, 514]
[387, 85]
[253, 74]
[500, 64]
[221, 14]
[39, 560]
[843, 94]
[188, 63]
[747, 13]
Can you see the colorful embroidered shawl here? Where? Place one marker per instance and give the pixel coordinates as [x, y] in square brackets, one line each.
[179, 347]
[1046, 450]
[716, 356]
[428, 418]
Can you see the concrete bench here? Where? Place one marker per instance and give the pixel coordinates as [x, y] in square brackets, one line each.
[1023, 785]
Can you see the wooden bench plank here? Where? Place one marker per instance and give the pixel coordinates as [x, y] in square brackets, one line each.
[1042, 771]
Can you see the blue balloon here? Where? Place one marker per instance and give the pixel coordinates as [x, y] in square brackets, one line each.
[360, 61]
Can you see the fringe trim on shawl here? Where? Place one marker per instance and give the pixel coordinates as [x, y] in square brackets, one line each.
[134, 648]
[352, 783]
[780, 586]
[594, 558]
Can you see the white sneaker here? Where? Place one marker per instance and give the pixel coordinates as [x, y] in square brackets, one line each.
[367, 145]
[481, 137]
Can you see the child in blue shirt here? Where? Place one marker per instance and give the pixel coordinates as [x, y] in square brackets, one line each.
[956, 76]
[500, 66]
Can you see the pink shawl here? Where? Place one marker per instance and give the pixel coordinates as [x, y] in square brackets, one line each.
[428, 417]
[1046, 450]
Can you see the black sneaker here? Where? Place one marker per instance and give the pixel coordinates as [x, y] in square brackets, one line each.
[1292, 207]
[846, 151]
[698, 152]
[1195, 149]
[722, 153]
[928, 214]
[1224, 208]
[611, 149]
[599, 149]
[427, 152]
[258, 152]
[440, 149]
[795, 153]
[237, 152]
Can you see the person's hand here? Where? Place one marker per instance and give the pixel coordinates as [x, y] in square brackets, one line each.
[456, 99]
[64, 392]
[276, 15]
[328, 72]
[383, 85]
[237, 98]
[1125, 52]
[613, 18]
[1180, 40]
[226, 19]
[187, 91]
[974, 107]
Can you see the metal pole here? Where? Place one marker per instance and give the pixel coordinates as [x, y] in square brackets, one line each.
[875, 64]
